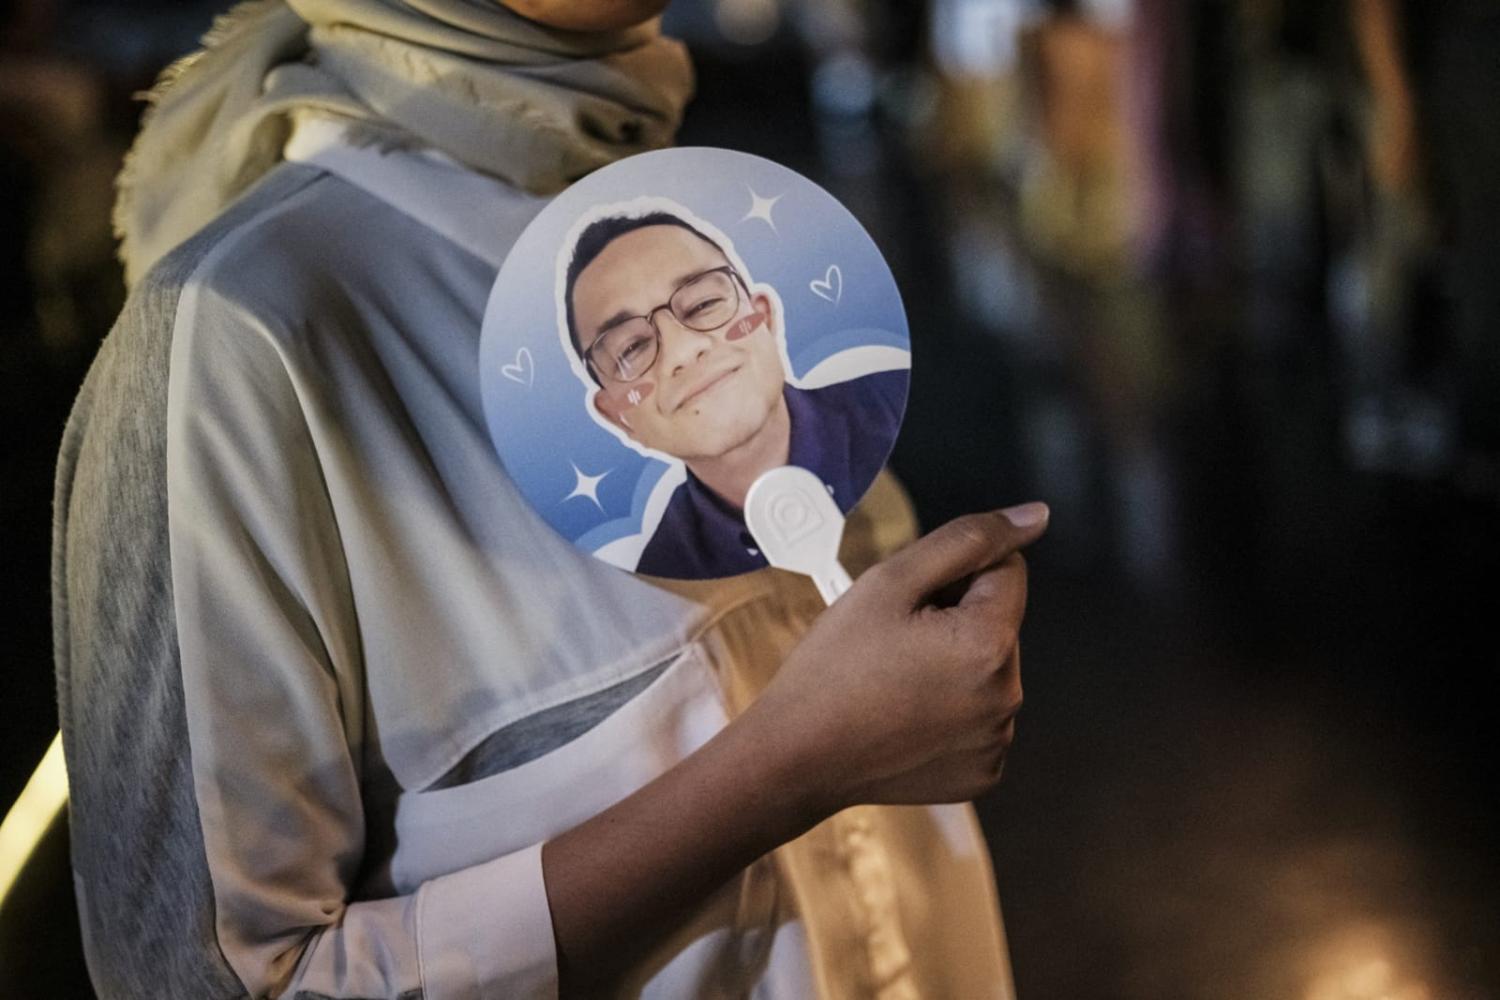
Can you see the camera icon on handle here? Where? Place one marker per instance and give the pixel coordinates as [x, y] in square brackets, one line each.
[791, 514]
[794, 516]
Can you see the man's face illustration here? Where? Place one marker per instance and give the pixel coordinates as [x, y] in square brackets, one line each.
[708, 391]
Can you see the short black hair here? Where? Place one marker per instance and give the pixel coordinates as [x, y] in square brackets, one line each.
[601, 233]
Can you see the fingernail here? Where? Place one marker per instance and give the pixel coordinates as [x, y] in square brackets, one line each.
[1027, 515]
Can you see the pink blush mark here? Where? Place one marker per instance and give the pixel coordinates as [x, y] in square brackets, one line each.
[746, 326]
[638, 394]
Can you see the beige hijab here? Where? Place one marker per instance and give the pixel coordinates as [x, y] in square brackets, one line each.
[503, 95]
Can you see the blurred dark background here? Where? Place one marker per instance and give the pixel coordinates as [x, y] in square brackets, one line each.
[1218, 279]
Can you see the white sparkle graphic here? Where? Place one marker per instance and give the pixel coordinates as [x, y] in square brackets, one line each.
[586, 486]
[634, 396]
[760, 208]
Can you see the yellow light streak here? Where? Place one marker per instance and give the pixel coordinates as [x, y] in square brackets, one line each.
[43, 797]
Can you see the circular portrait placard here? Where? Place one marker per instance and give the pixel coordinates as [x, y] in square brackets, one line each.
[674, 325]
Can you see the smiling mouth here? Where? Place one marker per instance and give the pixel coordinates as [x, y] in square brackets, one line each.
[700, 390]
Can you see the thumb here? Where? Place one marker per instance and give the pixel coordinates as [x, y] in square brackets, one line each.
[963, 547]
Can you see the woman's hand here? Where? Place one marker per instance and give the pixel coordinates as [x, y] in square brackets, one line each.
[897, 695]
[906, 690]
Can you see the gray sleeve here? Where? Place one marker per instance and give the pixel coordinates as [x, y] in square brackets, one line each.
[141, 878]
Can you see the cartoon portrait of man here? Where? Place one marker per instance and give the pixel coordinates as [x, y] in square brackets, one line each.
[684, 358]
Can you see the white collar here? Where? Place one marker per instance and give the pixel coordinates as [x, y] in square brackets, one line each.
[479, 213]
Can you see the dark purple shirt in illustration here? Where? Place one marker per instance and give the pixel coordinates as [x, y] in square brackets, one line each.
[842, 432]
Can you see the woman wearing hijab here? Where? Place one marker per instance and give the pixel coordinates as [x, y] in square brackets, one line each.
[342, 717]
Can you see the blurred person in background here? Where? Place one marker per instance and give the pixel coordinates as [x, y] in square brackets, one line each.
[1434, 78]
[1367, 186]
[341, 716]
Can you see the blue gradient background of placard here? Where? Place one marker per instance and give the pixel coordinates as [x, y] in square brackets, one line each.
[542, 431]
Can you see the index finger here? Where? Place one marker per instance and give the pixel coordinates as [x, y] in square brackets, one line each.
[963, 547]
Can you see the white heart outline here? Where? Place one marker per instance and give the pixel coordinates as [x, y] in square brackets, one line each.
[832, 281]
[521, 366]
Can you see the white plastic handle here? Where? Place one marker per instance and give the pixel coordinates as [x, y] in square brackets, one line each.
[798, 527]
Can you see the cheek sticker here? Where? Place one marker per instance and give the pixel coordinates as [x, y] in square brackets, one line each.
[728, 266]
[745, 327]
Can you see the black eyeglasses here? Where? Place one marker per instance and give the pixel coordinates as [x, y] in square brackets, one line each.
[629, 348]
